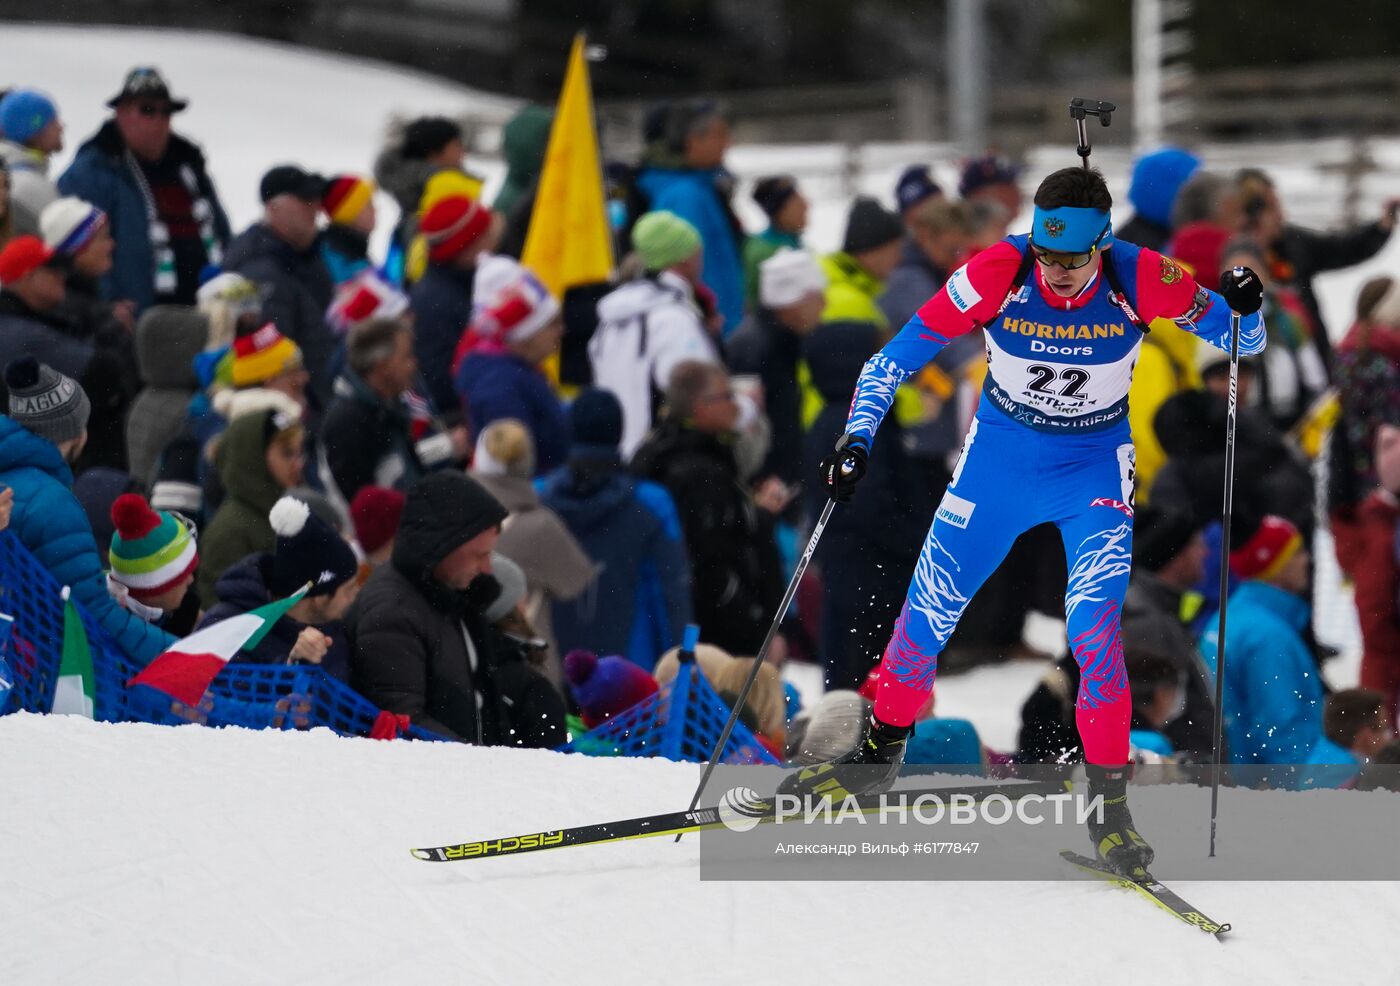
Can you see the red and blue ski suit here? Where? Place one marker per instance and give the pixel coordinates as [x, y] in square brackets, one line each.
[1050, 442]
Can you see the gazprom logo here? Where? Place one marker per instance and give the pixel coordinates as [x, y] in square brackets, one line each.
[960, 290]
[955, 510]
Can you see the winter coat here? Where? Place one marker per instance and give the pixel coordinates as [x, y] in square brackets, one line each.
[851, 292]
[242, 589]
[410, 653]
[299, 290]
[1330, 764]
[1273, 694]
[31, 188]
[645, 329]
[49, 521]
[366, 440]
[493, 386]
[1300, 254]
[45, 336]
[910, 286]
[345, 252]
[640, 602]
[1151, 620]
[733, 586]
[696, 197]
[101, 175]
[442, 310]
[759, 248]
[766, 348]
[168, 338]
[239, 527]
[1366, 551]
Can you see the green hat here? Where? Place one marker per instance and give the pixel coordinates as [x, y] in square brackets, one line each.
[152, 550]
[663, 239]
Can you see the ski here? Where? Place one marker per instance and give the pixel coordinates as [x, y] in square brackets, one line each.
[679, 822]
[1165, 898]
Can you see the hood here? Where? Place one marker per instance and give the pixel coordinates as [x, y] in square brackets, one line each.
[1157, 178]
[836, 353]
[258, 240]
[20, 448]
[235, 404]
[17, 157]
[587, 504]
[244, 586]
[523, 143]
[443, 511]
[168, 338]
[635, 297]
[242, 462]
[402, 178]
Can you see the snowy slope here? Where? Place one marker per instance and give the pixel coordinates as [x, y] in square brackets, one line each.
[135, 853]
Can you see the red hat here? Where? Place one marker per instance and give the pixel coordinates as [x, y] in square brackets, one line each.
[605, 687]
[23, 255]
[375, 513]
[1267, 551]
[452, 225]
[346, 196]
[365, 296]
[262, 355]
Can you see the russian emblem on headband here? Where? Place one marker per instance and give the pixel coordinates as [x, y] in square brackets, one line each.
[1053, 227]
[1171, 271]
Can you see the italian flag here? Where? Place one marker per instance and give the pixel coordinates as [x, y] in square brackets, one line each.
[185, 670]
[75, 690]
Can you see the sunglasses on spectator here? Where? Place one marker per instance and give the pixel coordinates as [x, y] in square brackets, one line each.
[155, 109]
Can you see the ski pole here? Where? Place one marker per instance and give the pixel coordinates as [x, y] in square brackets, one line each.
[763, 651]
[1224, 570]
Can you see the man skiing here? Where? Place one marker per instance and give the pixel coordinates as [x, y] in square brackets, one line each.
[1064, 316]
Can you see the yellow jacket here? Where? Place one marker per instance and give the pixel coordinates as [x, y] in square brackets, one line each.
[1166, 366]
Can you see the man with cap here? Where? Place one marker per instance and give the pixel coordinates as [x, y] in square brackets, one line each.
[421, 643]
[30, 135]
[1273, 693]
[786, 209]
[994, 178]
[1063, 310]
[281, 253]
[152, 183]
[649, 325]
[308, 552]
[640, 602]
[915, 185]
[40, 439]
[856, 274]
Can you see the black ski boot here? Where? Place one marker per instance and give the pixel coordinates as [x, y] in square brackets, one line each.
[871, 768]
[1115, 839]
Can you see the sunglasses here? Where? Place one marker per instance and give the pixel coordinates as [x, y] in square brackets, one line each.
[1069, 261]
[155, 109]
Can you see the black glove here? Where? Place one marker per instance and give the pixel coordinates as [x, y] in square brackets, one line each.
[843, 468]
[1242, 290]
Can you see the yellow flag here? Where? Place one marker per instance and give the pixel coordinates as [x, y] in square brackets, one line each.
[569, 242]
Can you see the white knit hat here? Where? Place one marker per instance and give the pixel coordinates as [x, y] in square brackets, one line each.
[787, 277]
[69, 224]
[508, 301]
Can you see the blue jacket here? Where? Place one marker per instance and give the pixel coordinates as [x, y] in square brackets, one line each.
[442, 309]
[1329, 764]
[50, 522]
[692, 195]
[641, 601]
[501, 385]
[1273, 696]
[99, 174]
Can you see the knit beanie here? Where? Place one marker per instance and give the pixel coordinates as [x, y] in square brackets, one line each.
[1160, 534]
[914, 186]
[983, 171]
[22, 256]
[69, 224]
[365, 296]
[664, 238]
[1157, 179]
[870, 226]
[605, 687]
[787, 277]
[452, 225]
[23, 113]
[509, 303]
[151, 551]
[52, 406]
[772, 193]
[513, 587]
[263, 355]
[595, 423]
[1264, 552]
[375, 513]
[346, 197]
[308, 550]
[231, 289]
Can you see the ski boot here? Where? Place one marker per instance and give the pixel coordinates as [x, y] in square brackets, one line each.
[871, 768]
[1116, 841]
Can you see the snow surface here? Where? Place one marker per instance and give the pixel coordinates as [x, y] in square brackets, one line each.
[134, 853]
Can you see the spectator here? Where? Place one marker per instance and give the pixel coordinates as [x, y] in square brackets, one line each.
[348, 201]
[268, 360]
[1368, 383]
[1158, 690]
[1355, 728]
[259, 458]
[992, 178]
[1157, 179]
[869, 254]
[457, 231]
[1169, 556]
[307, 552]
[39, 441]
[939, 233]
[153, 557]
[605, 687]
[786, 209]
[375, 513]
[768, 346]
[366, 438]
[764, 711]
[989, 221]
[684, 174]
[168, 339]
[1297, 255]
[649, 325]
[281, 254]
[641, 600]
[152, 184]
[516, 325]
[30, 135]
[730, 545]
[1273, 694]
[421, 644]
[556, 568]
[77, 232]
[1206, 215]
[524, 141]
[915, 186]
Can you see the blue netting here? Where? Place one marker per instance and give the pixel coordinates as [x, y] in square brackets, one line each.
[682, 721]
[253, 695]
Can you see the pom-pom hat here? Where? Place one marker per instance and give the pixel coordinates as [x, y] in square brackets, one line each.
[152, 551]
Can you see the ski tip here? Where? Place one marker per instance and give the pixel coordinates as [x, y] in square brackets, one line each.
[425, 854]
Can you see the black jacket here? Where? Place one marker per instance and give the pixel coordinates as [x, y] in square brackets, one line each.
[1310, 253]
[764, 347]
[367, 440]
[442, 309]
